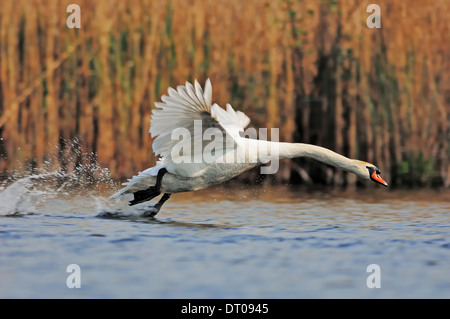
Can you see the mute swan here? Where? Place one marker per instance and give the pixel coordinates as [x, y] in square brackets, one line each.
[188, 106]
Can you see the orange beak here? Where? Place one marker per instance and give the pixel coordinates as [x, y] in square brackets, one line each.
[377, 178]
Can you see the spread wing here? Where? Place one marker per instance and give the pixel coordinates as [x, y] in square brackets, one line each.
[187, 112]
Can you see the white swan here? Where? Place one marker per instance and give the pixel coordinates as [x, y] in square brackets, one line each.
[180, 123]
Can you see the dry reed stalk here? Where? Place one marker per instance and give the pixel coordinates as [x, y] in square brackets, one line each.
[311, 68]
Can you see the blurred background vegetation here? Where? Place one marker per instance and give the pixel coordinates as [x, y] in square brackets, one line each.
[311, 68]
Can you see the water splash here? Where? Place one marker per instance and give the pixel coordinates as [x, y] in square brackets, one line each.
[20, 196]
[49, 192]
[120, 210]
[31, 194]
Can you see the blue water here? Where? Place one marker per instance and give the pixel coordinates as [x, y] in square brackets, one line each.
[225, 243]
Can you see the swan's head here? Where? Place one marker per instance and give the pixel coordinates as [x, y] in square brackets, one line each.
[370, 172]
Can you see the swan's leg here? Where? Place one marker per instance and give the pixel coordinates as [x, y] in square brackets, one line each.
[151, 192]
[155, 209]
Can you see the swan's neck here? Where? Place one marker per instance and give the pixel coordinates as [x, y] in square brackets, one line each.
[321, 154]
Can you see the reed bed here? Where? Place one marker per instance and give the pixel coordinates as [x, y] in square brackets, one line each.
[311, 68]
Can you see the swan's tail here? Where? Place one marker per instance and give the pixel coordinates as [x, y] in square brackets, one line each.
[140, 182]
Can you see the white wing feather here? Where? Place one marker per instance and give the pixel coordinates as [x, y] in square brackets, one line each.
[185, 105]
[179, 110]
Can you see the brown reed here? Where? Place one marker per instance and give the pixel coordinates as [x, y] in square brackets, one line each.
[311, 68]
